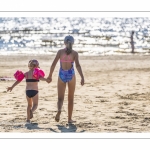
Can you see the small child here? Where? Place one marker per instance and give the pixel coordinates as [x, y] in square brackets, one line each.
[32, 78]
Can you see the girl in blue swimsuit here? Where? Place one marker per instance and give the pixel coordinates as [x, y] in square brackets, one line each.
[67, 57]
[66, 75]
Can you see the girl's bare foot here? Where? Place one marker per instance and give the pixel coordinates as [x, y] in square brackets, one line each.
[71, 121]
[28, 121]
[57, 117]
[31, 114]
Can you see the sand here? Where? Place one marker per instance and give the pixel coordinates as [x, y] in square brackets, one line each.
[115, 97]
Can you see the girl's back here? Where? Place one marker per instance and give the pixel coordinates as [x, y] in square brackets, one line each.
[67, 60]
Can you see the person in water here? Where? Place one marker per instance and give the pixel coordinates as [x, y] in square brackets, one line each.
[32, 78]
[67, 57]
[132, 42]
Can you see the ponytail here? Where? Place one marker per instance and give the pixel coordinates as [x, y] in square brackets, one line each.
[69, 47]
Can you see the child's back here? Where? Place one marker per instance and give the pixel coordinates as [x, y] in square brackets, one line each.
[31, 81]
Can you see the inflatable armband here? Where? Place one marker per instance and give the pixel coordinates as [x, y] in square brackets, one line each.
[37, 73]
[19, 76]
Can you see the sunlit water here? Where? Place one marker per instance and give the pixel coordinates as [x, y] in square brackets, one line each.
[92, 35]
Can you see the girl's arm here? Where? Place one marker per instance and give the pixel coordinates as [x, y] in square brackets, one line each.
[53, 66]
[11, 88]
[79, 68]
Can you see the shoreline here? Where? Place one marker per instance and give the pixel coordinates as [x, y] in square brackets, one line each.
[92, 53]
[135, 56]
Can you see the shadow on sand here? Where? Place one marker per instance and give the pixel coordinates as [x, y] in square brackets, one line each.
[62, 128]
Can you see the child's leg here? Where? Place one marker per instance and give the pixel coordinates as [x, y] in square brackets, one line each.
[29, 107]
[35, 102]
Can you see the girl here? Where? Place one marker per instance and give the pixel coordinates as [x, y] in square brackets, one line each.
[32, 79]
[67, 57]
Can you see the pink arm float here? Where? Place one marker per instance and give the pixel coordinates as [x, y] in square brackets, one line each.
[19, 75]
[37, 73]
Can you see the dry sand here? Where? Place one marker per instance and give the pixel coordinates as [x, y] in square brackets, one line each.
[115, 97]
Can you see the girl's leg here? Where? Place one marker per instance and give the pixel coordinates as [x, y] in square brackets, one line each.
[29, 108]
[35, 102]
[71, 90]
[61, 86]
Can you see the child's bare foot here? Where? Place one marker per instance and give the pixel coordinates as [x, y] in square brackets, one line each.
[71, 121]
[57, 117]
[31, 114]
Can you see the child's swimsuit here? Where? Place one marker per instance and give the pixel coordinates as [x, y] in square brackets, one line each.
[66, 75]
[31, 93]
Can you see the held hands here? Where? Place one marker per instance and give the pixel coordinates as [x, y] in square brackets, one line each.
[9, 89]
[48, 80]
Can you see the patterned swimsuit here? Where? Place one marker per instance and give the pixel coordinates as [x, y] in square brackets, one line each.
[66, 75]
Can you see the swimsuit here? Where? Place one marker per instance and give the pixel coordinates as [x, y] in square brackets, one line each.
[32, 80]
[66, 75]
[31, 93]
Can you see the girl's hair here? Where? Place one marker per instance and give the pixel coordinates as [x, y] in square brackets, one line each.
[33, 64]
[69, 47]
[69, 40]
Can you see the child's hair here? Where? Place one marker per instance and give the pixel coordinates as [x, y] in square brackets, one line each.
[33, 64]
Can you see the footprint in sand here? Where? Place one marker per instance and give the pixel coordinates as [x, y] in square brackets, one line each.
[100, 97]
[43, 109]
[15, 108]
[104, 101]
[124, 103]
[3, 114]
[118, 117]
[131, 114]
[87, 101]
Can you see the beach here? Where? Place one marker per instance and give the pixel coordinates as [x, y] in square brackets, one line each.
[115, 97]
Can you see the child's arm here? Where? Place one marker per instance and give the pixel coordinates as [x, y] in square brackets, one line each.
[44, 79]
[11, 88]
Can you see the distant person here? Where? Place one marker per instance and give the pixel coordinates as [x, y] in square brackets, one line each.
[32, 78]
[132, 42]
[66, 76]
